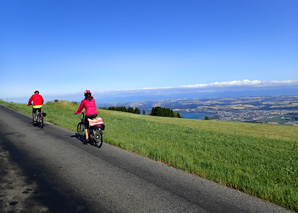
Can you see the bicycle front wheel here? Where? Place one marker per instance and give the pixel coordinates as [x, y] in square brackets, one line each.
[80, 131]
[97, 137]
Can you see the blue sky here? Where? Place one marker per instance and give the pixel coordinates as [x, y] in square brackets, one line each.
[63, 47]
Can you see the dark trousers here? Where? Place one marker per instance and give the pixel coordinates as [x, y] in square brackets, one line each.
[34, 112]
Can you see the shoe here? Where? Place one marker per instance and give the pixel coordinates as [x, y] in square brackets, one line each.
[86, 141]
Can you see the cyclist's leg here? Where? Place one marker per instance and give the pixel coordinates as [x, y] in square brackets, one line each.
[39, 110]
[86, 128]
[34, 114]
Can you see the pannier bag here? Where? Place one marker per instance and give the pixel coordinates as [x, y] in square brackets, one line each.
[95, 122]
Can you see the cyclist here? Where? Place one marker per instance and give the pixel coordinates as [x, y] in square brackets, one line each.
[37, 104]
[89, 104]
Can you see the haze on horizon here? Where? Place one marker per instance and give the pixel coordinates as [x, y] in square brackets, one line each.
[212, 90]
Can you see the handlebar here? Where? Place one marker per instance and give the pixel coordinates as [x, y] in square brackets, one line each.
[83, 113]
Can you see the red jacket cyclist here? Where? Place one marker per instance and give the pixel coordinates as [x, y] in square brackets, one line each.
[89, 104]
[37, 104]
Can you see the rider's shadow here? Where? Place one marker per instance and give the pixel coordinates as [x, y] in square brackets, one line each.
[35, 124]
[75, 136]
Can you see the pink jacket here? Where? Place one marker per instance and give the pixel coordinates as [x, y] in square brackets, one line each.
[89, 105]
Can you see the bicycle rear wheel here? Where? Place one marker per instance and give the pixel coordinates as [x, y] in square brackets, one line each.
[97, 137]
[41, 123]
[81, 131]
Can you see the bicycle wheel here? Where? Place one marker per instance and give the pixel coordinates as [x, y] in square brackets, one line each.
[41, 122]
[97, 136]
[38, 120]
[81, 131]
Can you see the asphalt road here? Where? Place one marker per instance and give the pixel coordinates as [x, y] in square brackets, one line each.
[50, 170]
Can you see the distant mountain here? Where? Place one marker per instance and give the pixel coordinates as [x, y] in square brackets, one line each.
[212, 90]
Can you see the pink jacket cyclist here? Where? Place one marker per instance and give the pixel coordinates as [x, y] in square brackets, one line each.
[89, 104]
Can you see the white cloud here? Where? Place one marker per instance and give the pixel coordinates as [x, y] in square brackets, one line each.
[225, 83]
[242, 83]
[252, 83]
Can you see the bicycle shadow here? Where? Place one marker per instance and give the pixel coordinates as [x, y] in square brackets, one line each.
[75, 136]
[35, 124]
[90, 142]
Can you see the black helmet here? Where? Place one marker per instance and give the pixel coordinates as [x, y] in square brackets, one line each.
[36, 91]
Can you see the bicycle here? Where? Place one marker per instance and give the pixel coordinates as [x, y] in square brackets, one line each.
[95, 131]
[39, 119]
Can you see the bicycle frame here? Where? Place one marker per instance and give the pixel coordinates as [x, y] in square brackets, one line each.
[94, 132]
[39, 119]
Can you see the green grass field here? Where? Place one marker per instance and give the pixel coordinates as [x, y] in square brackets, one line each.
[258, 159]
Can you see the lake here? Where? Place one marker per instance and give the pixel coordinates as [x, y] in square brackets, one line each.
[190, 115]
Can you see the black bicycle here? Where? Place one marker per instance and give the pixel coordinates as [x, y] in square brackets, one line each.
[95, 132]
[39, 119]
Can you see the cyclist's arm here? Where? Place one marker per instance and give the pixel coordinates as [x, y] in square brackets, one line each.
[81, 107]
[30, 100]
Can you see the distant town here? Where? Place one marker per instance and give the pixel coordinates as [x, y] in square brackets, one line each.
[268, 109]
[272, 110]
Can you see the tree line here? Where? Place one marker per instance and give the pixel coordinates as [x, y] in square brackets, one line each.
[156, 111]
[164, 112]
[124, 109]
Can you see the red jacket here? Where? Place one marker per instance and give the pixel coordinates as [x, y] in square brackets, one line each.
[37, 100]
[89, 105]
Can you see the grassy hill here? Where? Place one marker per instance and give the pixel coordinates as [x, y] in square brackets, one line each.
[258, 159]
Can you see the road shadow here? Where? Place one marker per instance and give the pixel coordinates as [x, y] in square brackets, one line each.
[48, 194]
